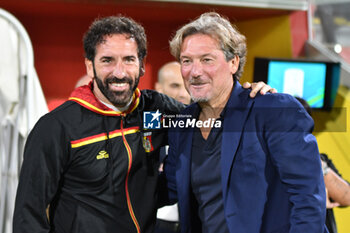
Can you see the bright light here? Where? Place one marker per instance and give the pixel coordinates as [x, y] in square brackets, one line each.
[337, 48]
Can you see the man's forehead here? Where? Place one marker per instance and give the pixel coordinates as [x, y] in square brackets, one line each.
[118, 39]
[121, 35]
[200, 45]
[117, 44]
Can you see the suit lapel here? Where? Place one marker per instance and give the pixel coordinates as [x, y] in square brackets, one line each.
[235, 115]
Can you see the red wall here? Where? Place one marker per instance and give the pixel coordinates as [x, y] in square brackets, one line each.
[56, 31]
[299, 32]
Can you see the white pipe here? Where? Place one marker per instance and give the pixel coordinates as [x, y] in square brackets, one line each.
[309, 21]
[268, 4]
[23, 35]
[30, 59]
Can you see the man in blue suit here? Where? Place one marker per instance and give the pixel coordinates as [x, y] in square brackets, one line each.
[237, 164]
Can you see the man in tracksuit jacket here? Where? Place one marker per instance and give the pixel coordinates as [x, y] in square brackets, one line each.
[89, 165]
[90, 160]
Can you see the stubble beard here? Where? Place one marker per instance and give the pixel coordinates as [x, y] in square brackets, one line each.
[198, 99]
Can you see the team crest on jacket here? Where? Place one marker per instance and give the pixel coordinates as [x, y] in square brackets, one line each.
[147, 142]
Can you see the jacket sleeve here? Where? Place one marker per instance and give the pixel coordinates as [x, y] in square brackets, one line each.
[294, 152]
[170, 105]
[45, 156]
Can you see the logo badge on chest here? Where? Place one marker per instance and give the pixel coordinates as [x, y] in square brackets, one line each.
[147, 142]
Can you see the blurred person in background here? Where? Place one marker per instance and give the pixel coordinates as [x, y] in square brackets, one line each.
[83, 80]
[170, 82]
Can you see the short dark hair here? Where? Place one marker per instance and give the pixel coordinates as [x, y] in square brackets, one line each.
[108, 26]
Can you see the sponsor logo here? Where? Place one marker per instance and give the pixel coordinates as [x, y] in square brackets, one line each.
[102, 155]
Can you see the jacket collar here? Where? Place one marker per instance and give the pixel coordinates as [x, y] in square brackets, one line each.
[85, 97]
[238, 98]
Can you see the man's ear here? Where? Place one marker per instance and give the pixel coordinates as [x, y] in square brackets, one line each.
[89, 67]
[143, 65]
[234, 63]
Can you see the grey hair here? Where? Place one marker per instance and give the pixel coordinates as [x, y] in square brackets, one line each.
[231, 41]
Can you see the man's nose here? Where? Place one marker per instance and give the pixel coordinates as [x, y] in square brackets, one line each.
[119, 70]
[196, 69]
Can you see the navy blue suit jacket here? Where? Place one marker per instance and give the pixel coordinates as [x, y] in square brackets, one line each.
[270, 167]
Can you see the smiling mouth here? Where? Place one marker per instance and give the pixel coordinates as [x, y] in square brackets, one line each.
[197, 84]
[119, 86]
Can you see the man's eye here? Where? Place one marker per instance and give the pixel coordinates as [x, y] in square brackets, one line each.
[174, 85]
[185, 61]
[106, 60]
[207, 60]
[130, 59]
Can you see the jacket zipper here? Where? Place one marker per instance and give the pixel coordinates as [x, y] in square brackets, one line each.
[128, 149]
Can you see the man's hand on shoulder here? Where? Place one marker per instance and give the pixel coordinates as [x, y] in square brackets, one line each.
[259, 86]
